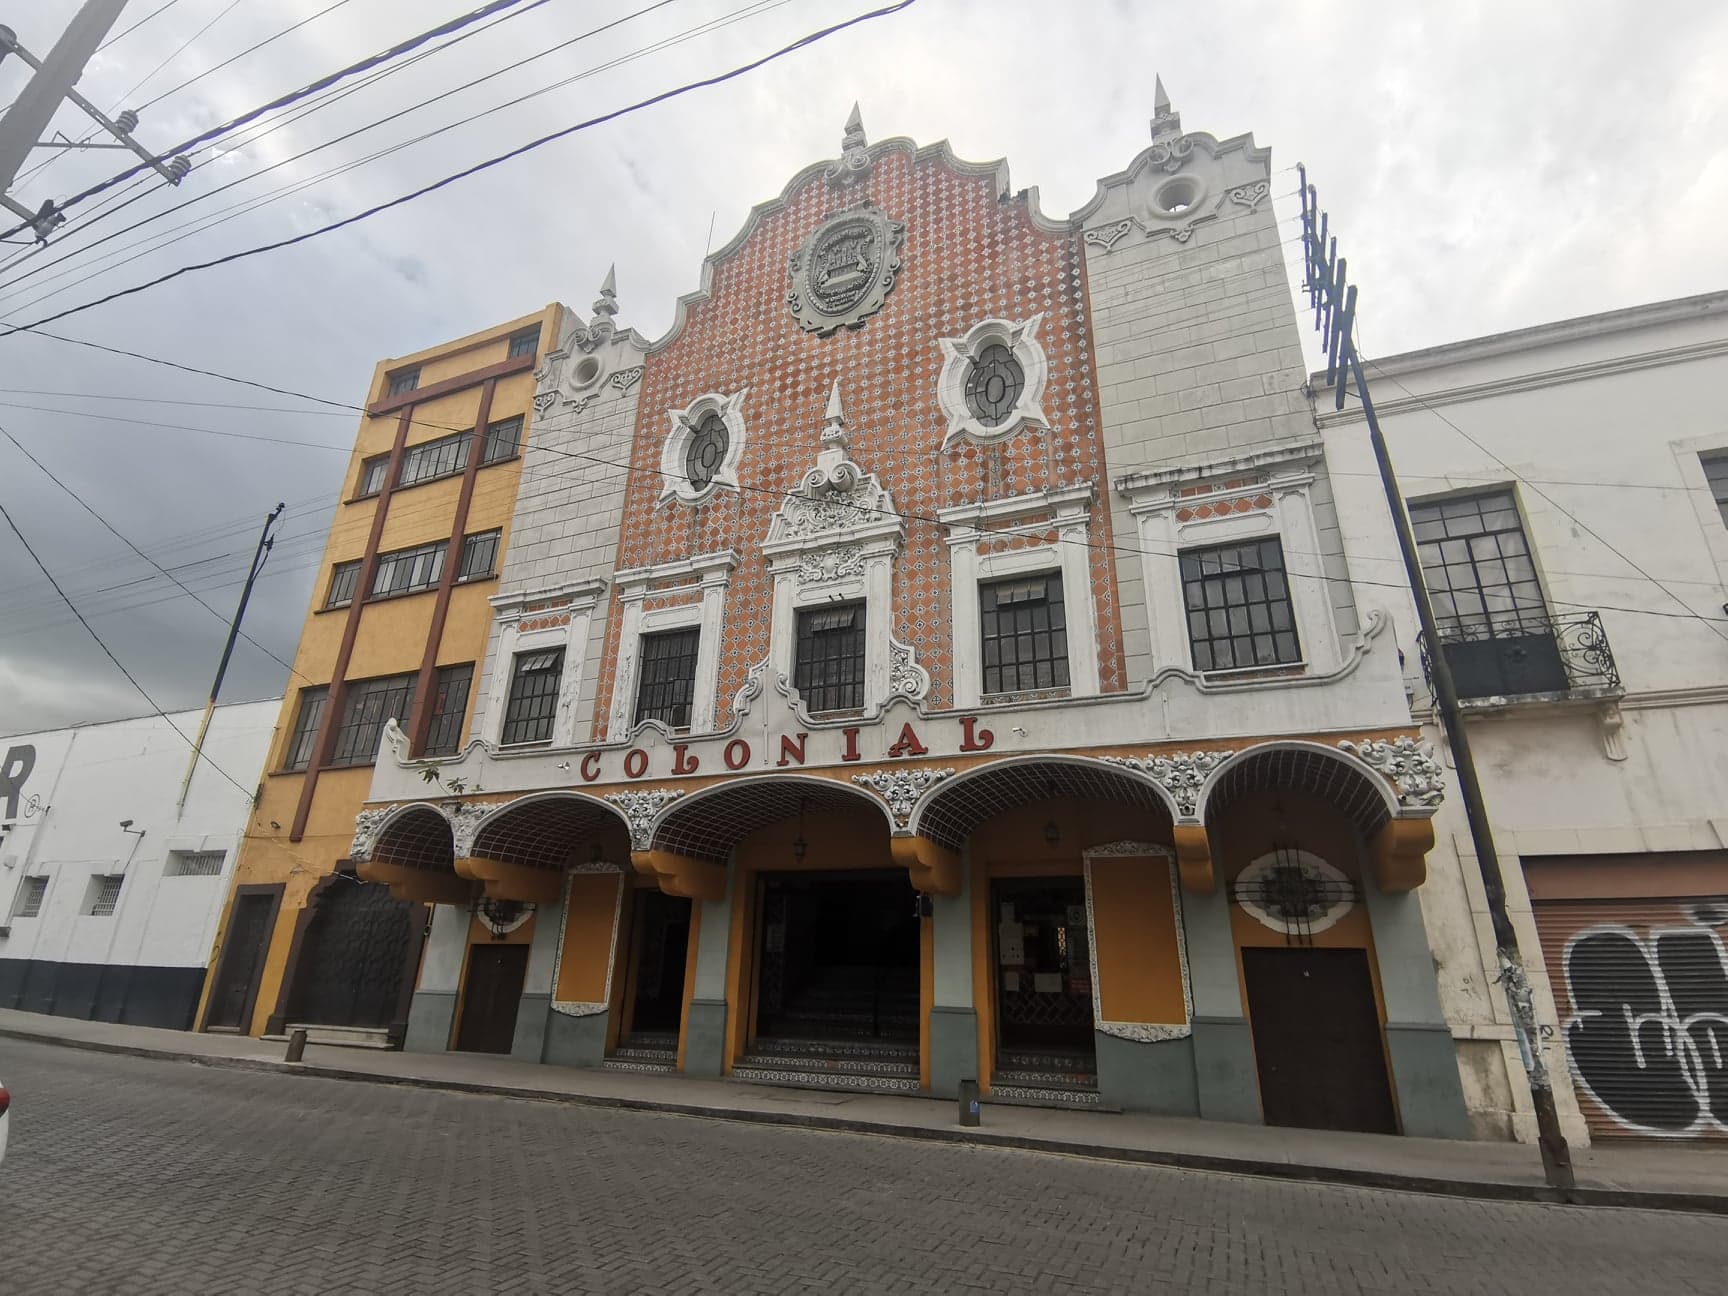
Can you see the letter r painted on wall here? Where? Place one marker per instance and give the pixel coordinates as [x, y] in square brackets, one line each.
[14, 770]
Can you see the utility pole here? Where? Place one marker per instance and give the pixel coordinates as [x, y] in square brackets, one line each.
[21, 129]
[1334, 306]
[265, 541]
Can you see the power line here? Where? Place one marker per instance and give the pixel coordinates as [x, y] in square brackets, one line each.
[156, 12]
[235, 58]
[802, 43]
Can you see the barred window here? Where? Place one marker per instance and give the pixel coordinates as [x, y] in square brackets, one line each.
[1025, 633]
[533, 702]
[994, 384]
[194, 863]
[666, 683]
[449, 705]
[525, 343]
[1716, 472]
[408, 570]
[342, 578]
[1238, 605]
[405, 380]
[503, 440]
[707, 450]
[479, 555]
[366, 705]
[312, 704]
[1477, 564]
[30, 893]
[433, 459]
[828, 666]
[104, 894]
[372, 474]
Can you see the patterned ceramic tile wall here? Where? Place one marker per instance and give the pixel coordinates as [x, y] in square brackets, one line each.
[967, 256]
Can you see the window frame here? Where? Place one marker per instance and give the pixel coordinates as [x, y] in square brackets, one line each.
[990, 604]
[102, 900]
[1715, 465]
[306, 726]
[351, 748]
[1524, 600]
[457, 447]
[829, 696]
[351, 569]
[174, 865]
[444, 727]
[379, 463]
[402, 381]
[37, 886]
[435, 553]
[667, 712]
[470, 543]
[552, 669]
[1196, 581]
[489, 454]
[529, 335]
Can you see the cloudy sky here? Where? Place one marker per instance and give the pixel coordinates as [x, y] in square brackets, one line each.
[1490, 166]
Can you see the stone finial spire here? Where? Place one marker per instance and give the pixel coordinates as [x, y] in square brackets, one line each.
[854, 163]
[607, 303]
[1165, 119]
[834, 427]
[854, 133]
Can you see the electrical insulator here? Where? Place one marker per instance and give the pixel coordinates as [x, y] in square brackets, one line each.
[127, 122]
[178, 167]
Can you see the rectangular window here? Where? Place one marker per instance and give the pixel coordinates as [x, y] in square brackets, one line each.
[533, 702]
[342, 578]
[408, 570]
[312, 704]
[503, 440]
[372, 474]
[479, 556]
[366, 705]
[404, 380]
[1716, 470]
[30, 893]
[194, 863]
[1238, 603]
[430, 460]
[666, 685]
[828, 661]
[1024, 631]
[104, 894]
[449, 705]
[525, 343]
[1477, 564]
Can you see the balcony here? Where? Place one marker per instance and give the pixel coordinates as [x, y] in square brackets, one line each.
[1529, 657]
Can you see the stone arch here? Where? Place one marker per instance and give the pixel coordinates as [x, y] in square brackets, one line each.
[1326, 773]
[707, 824]
[947, 814]
[548, 829]
[415, 836]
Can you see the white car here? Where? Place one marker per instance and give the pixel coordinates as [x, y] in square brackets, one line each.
[5, 1102]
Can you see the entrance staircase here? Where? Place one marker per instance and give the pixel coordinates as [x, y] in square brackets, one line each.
[852, 1002]
[849, 1028]
[855, 1066]
[653, 1051]
[1045, 1078]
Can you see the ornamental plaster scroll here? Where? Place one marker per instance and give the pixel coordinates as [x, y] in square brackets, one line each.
[822, 565]
[625, 379]
[755, 682]
[905, 676]
[854, 164]
[901, 788]
[1250, 195]
[640, 809]
[585, 341]
[1410, 764]
[586, 1007]
[1181, 775]
[845, 270]
[959, 353]
[501, 917]
[834, 500]
[1138, 1032]
[674, 451]
[1308, 893]
[1108, 237]
[465, 818]
[367, 825]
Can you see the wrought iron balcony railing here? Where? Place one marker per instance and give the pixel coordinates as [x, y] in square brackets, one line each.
[1525, 655]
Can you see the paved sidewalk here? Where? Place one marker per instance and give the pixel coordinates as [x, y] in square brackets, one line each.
[1650, 1176]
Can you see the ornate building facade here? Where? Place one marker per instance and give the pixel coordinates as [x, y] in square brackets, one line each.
[938, 657]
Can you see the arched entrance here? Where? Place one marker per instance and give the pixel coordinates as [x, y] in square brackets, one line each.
[1289, 827]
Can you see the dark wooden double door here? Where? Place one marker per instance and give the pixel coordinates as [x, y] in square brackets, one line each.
[492, 996]
[1317, 1043]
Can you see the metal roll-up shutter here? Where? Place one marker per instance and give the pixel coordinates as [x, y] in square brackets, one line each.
[1641, 986]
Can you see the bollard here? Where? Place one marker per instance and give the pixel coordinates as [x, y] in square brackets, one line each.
[969, 1102]
[296, 1044]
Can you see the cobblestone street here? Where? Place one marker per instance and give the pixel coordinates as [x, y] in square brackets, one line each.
[129, 1175]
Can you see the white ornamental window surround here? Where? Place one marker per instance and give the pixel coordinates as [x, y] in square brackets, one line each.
[978, 396]
[694, 480]
[1068, 513]
[1258, 497]
[707, 576]
[518, 616]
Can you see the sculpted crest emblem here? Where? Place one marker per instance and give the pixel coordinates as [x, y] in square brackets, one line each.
[845, 270]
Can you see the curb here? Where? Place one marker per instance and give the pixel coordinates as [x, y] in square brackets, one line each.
[1481, 1190]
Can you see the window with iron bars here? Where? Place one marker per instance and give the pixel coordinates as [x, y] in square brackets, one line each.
[828, 658]
[1024, 633]
[405, 380]
[525, 343]
[1238, 602]
[533, 701]
[666, 681]
[408, 570]
[305, 736]
[366, 705]
[1716, 472]
[30, 895]
[342, 578]
[449, 705]
[503, 440]
[184, 863]
[104, 894]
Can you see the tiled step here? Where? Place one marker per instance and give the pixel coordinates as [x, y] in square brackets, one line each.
[851, 1082]
[1047, 1060]
[778, 1046]
[1078, 1081]
[1012, 1095]
[645, 1051]
[816, 1064]
[368, 1037]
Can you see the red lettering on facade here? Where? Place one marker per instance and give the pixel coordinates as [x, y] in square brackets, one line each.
[737, 754]
[791, 752]
[851, 752]
[635, 763]
[590, 767]
[907, 744]
[972, 738]
[682, 764]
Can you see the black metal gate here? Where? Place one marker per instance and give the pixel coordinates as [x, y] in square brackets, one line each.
[358, 944]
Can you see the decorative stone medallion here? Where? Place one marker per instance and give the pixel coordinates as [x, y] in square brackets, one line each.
[845, 270]
[1294, 892]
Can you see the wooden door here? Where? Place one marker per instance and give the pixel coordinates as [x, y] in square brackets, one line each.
[1317, 1040]
[495, 975]
[232, 996]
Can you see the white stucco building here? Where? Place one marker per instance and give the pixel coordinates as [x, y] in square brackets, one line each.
[108, 898]
[1569, 489]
